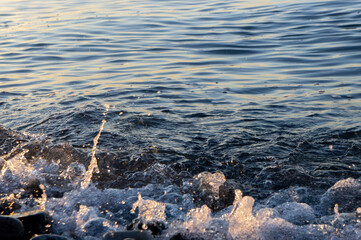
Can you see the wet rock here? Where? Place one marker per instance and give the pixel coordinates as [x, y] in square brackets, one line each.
[11, 228]
[345, 193]
[180, 236]
[142, 162]
[49, 237]
[211, 189]
[32, 188]
[278, 228]
[97, 227]
[8, 205]
[66, 152]
[296, 213]
[9, 139]
[13, 143]
[35, 222]
[136, 235]
[2, 162]
[281, 177]
[156, 227]
[155, 174]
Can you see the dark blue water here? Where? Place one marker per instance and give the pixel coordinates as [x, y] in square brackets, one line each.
[267, 92]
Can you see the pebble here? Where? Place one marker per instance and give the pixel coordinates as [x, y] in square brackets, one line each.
[128, 235]
[34, 222]
[11, 228]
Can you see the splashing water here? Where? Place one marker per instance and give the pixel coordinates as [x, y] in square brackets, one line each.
[149, 210]
[241, 215]
[43, 198]
[93, 166]
[88, 212]
[198, 219]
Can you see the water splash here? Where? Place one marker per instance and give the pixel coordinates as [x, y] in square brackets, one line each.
[149, 210]
[242, 223]
[93, 166]
[198, 219]
[42, 200]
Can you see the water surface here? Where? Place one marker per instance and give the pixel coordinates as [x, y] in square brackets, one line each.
[263, 91]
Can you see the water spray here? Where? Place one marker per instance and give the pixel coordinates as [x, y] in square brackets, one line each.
[93, 166]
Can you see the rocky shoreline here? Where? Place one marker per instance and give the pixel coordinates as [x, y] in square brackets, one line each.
[36, 225]
[199, 207]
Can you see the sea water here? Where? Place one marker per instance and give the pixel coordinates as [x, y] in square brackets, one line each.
[205, 119]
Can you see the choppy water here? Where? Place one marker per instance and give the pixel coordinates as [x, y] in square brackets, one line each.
[266, 92]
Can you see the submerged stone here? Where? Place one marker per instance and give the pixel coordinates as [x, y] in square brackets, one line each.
[35, 222]
[33, 188]
[345, 193]
[136, 235]
[296, 213]
[180, 236]
[211, 189]
[97, 227]
[9, 205]
[11, 228]
[277, 177]
[156, 227]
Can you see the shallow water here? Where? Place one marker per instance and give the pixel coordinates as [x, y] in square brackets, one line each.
[267, 92]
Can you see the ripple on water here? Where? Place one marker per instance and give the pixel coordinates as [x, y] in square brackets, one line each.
[266, 93]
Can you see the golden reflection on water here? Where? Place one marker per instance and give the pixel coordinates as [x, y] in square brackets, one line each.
[55, 18]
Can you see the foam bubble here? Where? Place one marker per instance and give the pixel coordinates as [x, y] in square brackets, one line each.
[89, 212]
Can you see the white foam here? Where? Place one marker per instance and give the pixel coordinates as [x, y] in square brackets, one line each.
[89, 212]
[149, 210]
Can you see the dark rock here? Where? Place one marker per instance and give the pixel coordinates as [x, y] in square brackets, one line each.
[11, 228]
[8, 206]
[282, 177]
[216, 201]
[180, 236]
[66, 152]
[97, 227]
[4, 211]
[32, 188]
[155, 227]
[13, 143]
[155, 174]
[35, 222]
[49, 237]
[136, 235]
[345, 193]
[296, 213]
[9, 140]
[212, 190]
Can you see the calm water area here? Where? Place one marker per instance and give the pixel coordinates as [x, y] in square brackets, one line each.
[266, 92]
